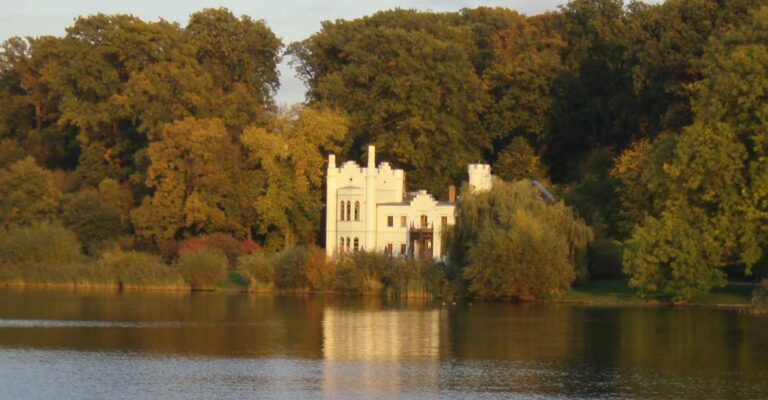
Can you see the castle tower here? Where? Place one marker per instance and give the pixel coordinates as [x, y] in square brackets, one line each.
[370, 201]
[479, 177]
[330, 206]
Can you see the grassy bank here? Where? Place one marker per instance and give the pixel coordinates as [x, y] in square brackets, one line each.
[616, 292]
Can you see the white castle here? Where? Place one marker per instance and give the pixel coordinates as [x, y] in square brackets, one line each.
[367, 208]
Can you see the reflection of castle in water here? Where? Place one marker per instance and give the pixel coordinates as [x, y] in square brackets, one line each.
[389, 341]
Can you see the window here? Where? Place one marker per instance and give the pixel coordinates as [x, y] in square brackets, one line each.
[347, 243]
[443, 221]
[341, 244]
[357, 211]
[424, 221]
[357, 243]
[388, 249]
[403, 249]
[341, 215]
[349, 210]
[390, 221]
[403, 221]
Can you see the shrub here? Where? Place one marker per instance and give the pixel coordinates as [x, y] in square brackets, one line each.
[258, 269]
[318, 270]
[134, 268]
[42, 242]
[360, 272]
[289, 268]
[203, 269]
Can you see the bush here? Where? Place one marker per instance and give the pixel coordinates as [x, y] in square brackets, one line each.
[289, 268]
[225, 242]
[319, 272]
[41, 242]
[134, 268]
[258, 269]
[203, 269]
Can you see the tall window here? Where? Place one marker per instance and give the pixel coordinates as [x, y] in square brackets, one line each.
[341, 207]
[357, 211]
[388, 249]
[443, 221]
[424, 221]
[349, 210]
[357, 244]
[403, 249]
[341, 244]
[403, 221]
[390, 221]
[347, 243]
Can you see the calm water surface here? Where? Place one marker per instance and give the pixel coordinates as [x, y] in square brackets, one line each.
[73, 345]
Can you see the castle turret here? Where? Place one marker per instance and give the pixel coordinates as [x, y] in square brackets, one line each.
[479, 177]
[370, 201]
[330, 206]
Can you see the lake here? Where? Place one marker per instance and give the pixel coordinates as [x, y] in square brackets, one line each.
[59, 344]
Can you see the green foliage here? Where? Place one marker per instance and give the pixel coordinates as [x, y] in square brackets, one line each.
[286, 172]
[41, 242]
[510, 243]
[203, 269]
[418, 96]
[518, 161]
[93, 220]
[715, 208]
[258, 268]
[28, 194]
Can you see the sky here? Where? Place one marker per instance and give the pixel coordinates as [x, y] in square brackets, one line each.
[291, 20]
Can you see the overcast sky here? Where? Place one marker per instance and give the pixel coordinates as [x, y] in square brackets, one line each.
[291, 20]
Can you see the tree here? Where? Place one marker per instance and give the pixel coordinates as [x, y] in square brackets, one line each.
[510, 242]
[286, 171]
[417, 96]
[28, 194]
[518, 161]
[195, 174]
[527, 60]
[93, 220]
[717, 204]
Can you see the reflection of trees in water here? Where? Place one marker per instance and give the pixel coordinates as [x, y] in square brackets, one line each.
[530, 348]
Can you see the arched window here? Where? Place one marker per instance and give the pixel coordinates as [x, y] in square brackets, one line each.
[357, 211]
[347, 243]
[341, 244]
[424, 221]
[357, 244]
[341, 215]
[349, 211]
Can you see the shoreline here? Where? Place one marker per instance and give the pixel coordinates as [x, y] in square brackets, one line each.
[595, 301]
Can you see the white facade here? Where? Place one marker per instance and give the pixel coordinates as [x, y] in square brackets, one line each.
[367, 208]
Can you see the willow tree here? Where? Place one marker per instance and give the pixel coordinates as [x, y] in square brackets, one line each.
[511, 242]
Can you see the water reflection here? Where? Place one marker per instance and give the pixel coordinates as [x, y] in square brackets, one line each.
[310, 346]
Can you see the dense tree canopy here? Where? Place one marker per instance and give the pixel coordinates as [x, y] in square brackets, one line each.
[648, 119]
